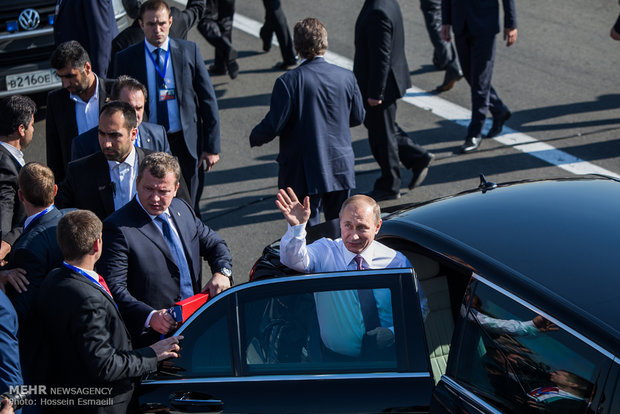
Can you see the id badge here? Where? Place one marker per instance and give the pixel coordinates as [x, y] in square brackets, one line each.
[166, 94]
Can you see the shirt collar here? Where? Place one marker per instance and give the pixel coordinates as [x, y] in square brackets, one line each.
[90, 273]
[151, 47]
[167, 211]
[17, 154]
[95, 96]
[304, 60]
[31, 218]
[367, 254]
[129, 160]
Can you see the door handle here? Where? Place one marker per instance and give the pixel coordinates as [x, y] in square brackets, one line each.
[192, 403]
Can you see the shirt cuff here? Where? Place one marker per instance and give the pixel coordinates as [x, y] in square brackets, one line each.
[148, 319]
[298, 231]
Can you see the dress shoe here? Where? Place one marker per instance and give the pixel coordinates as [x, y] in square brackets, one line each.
[419, 174]
[232, 66]
[381, 195]
[471, 144]
[285, 65]
[266, 40]
[450, 79]
[498, 123]
[216, 70]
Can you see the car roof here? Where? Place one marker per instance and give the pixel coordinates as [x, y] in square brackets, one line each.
[563, 235]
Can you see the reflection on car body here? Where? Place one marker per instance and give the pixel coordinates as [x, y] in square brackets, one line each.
[524, 317]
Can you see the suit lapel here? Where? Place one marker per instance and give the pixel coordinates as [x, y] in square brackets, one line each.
[16, 163]
[147, 226]
[177, 67]
[104, 183]
[145, 137]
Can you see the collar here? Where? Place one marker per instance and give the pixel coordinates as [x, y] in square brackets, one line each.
[316, 57]
[129, 160]
[33, 217]
[94, 276]
[151, 47]
[17, 154]
[167, 211]
[367, 254]
[95, 96]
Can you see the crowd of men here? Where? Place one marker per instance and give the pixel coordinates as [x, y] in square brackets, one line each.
[98, 244]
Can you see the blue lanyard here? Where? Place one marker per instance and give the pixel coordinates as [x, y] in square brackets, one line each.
[86, 275]
[39, 214]
[159, 71]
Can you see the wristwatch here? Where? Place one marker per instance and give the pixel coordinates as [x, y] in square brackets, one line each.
[228, 273]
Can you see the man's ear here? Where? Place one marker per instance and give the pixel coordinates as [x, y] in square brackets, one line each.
[87, 67]
[20, 196]
[378, 226]
[55, 190]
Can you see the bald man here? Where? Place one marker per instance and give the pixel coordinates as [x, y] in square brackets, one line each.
[357, 249]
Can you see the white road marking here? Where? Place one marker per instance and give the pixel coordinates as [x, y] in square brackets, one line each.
[450, 111]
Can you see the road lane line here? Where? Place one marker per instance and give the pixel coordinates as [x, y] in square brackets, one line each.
[455, 113]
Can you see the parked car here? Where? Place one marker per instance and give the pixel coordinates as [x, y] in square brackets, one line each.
[27, 42]
[522, 283]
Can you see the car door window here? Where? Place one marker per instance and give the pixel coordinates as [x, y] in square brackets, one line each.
[317, 331]
[519, 361]
[206, 347]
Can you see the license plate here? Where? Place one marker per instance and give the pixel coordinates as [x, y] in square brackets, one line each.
[37, 78]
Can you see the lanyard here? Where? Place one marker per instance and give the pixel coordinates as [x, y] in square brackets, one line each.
[156, 63]
[86, 275]
[39, 214]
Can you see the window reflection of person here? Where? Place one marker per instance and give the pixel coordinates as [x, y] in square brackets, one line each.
[339, 313]
[569, 393]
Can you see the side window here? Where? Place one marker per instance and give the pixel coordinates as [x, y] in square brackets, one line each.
[318, 331]
[206, 347]
[519, 361]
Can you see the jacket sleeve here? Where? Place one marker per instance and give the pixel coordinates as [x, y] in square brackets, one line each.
[52, 141]
[7, 199]
[446, 12]
[380, 48]
[99, 15]
[510, 14]
[277, 117]
[207, 104]
[357, 106]
[95, 346]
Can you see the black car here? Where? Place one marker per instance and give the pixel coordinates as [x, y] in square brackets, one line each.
[522, 284]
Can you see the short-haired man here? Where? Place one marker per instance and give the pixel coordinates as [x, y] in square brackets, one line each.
[88, 343]
[74, 108]
[153, 250]
[16, 132]
[36, 251]
[181, 96]
[150, 136]
[316, 156]
[360, 221]
[105, 181]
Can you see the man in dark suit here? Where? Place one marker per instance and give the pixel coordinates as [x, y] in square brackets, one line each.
[275, 22]
[475, 24]
[90, 22]
[74, 108]
[88, 342]
[36, 251]
[16, 132]
[181, 96]
[382, 73]
[150, 136]
[316, 157]
[216, 27]
[10, 370]
[105, 181]
[182, 22]
[153, 249]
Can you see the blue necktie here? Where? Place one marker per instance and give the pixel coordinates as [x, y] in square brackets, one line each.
[176, 248]
[162, 106]
[368, 304]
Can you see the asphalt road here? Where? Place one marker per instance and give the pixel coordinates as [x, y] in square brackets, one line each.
[559, 80]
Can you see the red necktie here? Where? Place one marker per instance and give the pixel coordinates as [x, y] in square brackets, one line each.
[104, 284]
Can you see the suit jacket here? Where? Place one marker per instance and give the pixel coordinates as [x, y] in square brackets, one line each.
[10, 371]
[12, 212]
[88, 342]
[90, 22]
[88, 185]
[380, 65]
[37, 252]
[153, 137]
[182, 21]
[478, 17]
[198, 109]
[61, 127]
[139, 267]
[316, 155]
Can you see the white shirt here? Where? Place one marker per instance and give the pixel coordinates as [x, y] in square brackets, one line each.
[174, 121]
[340, 317]
[123, 176]
[17, 154]
[87, 113]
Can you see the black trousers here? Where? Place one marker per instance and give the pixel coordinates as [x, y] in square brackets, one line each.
[389, 144]
[477, 56]
[275, 22]
[444, 56]
[330, 203]
[216, 27]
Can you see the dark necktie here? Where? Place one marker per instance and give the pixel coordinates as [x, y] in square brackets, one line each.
[162, 106]
[176, 248]
[368, 304]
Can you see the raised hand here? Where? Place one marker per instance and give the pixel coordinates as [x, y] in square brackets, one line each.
[294, 212]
